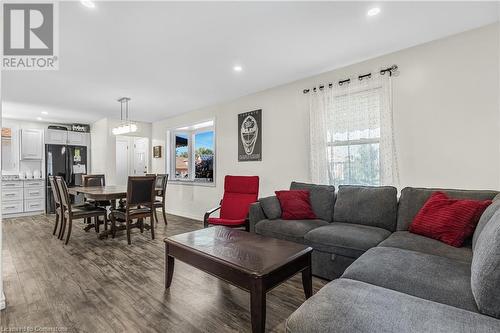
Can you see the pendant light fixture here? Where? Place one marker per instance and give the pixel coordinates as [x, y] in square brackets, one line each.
[126, 126]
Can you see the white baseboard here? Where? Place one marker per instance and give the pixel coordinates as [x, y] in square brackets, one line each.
[2, 301]
[186, 215]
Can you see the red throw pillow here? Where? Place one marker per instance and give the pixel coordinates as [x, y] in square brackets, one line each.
[295, 205]
[450, 221]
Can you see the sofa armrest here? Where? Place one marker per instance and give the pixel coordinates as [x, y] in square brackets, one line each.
[255, 215]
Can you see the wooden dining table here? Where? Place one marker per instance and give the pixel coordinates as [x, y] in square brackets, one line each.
[103, 193]
[100, 193]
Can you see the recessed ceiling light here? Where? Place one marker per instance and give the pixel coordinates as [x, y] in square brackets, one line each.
[44, 112]
[39, 118]
[88, 3]
[237, 68]
[373, 11]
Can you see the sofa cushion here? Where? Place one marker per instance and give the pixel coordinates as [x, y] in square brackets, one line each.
[367, 205]
[418, 274]
[409, 241]
[346, 306]
[322, 198]
[450, 221]
[271, 207]
[220, 221]
[292, 230]
[346, 239]
[485, 280]
[412, 199]
[487, 215]
[295, 205]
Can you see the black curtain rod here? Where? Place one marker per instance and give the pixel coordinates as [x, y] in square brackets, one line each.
[391, 70]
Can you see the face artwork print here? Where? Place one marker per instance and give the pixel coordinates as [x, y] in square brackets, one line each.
[250, 136]
[249, 133]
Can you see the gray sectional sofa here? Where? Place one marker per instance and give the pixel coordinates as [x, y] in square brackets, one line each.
[387, 279]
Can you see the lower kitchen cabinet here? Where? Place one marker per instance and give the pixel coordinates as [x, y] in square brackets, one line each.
[21, 197]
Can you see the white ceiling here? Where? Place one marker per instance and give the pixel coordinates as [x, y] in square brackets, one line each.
[175, 57]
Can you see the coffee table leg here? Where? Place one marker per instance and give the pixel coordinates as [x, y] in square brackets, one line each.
[169, 268]
[258, 306]
[307, 281]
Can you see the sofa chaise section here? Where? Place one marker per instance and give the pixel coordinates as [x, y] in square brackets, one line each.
[346, 306]
[409, 241]
[418, 274]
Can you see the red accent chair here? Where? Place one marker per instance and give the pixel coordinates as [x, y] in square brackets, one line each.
[239, 193]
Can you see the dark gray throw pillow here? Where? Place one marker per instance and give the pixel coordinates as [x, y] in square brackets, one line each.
[322, 198]
[485, 269]
[487, 215]
[271, 207]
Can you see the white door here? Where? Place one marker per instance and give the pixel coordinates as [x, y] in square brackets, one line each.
[122, 160]
[140, 158]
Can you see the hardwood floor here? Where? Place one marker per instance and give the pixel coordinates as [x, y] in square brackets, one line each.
[93, 285]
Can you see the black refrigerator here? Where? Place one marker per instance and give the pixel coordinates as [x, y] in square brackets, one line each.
[69, 162]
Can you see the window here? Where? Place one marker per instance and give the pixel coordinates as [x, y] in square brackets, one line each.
[351, 133]
[354, 138]
[192, 157]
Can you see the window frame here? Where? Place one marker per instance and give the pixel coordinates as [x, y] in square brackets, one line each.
[191, 131]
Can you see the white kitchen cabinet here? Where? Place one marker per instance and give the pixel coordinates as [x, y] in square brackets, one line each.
[12, 194]
[34, 193]
[23, 197]
[34, 183]
[34, 205]
[56, 137]
[12, 207]
[12, 197]
[78, 139]
[31, 144]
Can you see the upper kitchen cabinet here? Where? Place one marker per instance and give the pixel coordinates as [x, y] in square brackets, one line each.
[31, 144]
[10, 150]
[78, 138]
[56, 137]
[60, 137]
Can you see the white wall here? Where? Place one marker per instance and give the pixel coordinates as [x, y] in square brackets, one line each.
[103, 146]
[98, 141]
[446, 113]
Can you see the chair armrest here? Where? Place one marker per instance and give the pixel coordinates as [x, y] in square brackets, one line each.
[207, 215]
[255, 214]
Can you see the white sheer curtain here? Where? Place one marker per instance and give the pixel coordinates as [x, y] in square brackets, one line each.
[320, 101]
[351, 133]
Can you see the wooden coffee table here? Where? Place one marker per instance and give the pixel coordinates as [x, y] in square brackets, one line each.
[251, 262]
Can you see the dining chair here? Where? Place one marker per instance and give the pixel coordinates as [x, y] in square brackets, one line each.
[94, 180]
[161, 195]
[57, 205]
[72, 212]
[138, 206]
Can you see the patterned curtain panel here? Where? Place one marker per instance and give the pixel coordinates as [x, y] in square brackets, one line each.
[351, 133]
